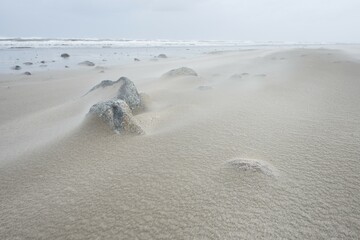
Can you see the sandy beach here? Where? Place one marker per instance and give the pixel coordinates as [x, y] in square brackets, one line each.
[264, 143]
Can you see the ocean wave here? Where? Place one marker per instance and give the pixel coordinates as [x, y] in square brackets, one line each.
[100, 43]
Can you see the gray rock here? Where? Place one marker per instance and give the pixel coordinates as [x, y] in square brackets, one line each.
[103, 84]
[117, 115]
[87, 63]
[129, 94]
[162, 56]
[65, 55]
[66, 66]
[42, 62]
[183, 71]
[16, 67]
[28, 63]
[236, 76]
[260, 75]
[27, 73]
[136, 60]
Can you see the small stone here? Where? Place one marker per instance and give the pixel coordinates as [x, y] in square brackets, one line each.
[183, 71]
[65, 55]
[162, 56]
[87, 63]
[260, 75]
[17, 67]
[236, 76]
[253, 166]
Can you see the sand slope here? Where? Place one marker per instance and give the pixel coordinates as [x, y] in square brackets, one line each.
[295, 110]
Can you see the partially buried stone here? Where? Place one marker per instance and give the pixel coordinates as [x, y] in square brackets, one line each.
[129, 94]
[117, 115]
[162, 56]
[253, 166]
[103, 84]
[236, 76]
[87, 63]
[16, 67]
[183, 71]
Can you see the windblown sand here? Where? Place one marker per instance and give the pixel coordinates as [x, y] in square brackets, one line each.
[262, 144]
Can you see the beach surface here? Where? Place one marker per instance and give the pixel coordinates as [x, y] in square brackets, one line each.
[264, 143]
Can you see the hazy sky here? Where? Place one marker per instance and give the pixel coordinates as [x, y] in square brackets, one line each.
[259, 20]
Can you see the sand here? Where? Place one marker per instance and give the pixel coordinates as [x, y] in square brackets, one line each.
[270, 150]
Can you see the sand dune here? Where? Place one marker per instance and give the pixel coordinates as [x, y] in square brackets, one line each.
[63, 176]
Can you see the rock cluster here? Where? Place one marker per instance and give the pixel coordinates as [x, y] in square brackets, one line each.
[118, 112]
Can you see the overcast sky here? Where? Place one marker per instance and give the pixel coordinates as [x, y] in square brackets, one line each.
[258, 20]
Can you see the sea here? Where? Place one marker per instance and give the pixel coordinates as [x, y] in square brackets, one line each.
[45, 53]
